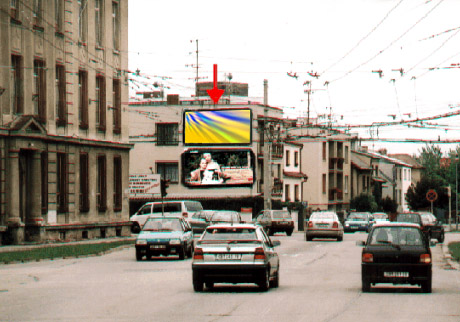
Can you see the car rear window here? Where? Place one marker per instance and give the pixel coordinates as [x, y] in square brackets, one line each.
[225, 216]
[193, 206]
[403, 236]
[326, 215]
[357, 217]
[229, 234]
[412, 218]
[281, 214]
[162, 224]
[168, 207]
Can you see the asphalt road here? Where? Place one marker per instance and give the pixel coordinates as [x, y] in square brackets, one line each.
[319, 281]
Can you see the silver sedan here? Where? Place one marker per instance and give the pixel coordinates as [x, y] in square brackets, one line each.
[324, 224]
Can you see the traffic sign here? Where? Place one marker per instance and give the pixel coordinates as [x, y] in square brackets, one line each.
[431, 195]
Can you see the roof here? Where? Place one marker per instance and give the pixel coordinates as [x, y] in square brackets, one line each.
[225, 225]
[395, 224]
[294, 174]
[376, 155]
[406, 158]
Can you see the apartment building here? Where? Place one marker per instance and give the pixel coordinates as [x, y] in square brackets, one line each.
[157, 135]
[64, 145]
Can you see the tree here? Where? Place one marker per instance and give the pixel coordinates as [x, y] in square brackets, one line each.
[363, 202]
[430, 159]
[388, 205]
[416, 194]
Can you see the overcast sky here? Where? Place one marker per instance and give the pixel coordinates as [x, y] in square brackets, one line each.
[414, 43]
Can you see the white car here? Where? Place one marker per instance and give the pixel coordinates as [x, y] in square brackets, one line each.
[324, 224]
[235, 253]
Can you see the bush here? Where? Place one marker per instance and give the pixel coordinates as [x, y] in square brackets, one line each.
[363, 202]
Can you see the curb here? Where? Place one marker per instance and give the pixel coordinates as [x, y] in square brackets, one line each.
[447, 255]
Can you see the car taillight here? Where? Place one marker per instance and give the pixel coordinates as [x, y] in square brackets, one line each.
[367, 258]
[425, 258]
[335, 225]
[310, 224]
[185, 214]
[259, 253]
[198, 254]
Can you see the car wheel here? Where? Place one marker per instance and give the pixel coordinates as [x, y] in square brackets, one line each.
[182, 253]
[276, 281]
[197, 282]
[289, 232]
[135, 228]
[308, 238]
[264, 282]
[190, 252]
[340, 238]
[269, 232]
[138, 255]
[441, 238]
[426, 286]
[209, 285]
[366, 287]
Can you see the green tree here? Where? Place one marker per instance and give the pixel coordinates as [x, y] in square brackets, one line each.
[388, 205]
[363, 202]
[416, 194]
[430, 158]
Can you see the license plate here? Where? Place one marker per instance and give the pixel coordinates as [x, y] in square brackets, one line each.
[157, 246]
[396, 274]
[228, 256]
[323, 225]
[353, 227]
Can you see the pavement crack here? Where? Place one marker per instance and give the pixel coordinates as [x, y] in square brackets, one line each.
[346, 307]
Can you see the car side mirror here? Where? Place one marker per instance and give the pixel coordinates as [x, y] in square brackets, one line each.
[276, 243]
[361, 243]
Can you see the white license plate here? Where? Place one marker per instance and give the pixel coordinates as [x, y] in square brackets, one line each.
[157, 246]
[228, 257]
[396, 274]
[323, 225]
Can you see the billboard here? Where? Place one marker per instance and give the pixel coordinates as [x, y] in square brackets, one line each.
[144, 185]
[214, 167]
[217, 127]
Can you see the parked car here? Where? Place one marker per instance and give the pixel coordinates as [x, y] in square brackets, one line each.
[396, 253]
[416, 218]
[181, 208]
[432, 225]
[324, 224]
[200, 220]
[163, 235]
[274, 221]
[225, 216]
[380, 216]
[359, 221]
[235, 253]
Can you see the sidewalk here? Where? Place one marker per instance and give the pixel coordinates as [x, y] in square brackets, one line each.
[450, 236]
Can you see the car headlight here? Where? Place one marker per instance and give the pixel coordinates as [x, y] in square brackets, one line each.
[141, 242]
[174, 242]
[347, 224]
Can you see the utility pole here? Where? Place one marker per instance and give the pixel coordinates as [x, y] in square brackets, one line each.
[266, 151]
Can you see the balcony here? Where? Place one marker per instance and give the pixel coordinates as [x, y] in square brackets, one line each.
[335, 194]
[336, 164]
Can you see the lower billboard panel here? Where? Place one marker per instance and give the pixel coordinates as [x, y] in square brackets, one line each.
[218, 167]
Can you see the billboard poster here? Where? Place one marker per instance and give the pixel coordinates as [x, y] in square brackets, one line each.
[214, 167]
[144, 185]
[217, 127]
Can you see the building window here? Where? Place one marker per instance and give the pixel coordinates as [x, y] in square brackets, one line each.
[61, 104]
[297, 192]
[116, 25]
[44, 181]
[364, 183]
[62, 182]
[37, 13]
[288, 158]
[346, 184]
[324, 184]
[84, 182]
[39, 95]
[324, 151]
[168, 171]
[346, 154]
[18, 83]
[83, 99]
[59, 16]
[296, 158]
[116, 106]
[167, 133]
[287, 196]
[101, 192]
[82, 21]
[100, 103]
[117, 183]
[99, 22]
[14, 9]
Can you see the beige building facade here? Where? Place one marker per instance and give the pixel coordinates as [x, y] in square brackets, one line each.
[64, 143]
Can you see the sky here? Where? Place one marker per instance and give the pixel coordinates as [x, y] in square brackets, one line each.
[368, 62]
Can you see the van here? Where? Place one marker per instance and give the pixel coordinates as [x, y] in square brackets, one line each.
[180, 208]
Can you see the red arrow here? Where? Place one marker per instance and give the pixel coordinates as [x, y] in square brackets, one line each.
[215, 93]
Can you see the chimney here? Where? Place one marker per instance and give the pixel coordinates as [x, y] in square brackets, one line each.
[172, 99]
[265, 92]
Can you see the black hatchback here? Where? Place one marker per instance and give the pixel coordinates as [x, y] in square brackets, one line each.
[396, 253]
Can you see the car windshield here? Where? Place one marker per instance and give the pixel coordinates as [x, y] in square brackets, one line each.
[227, 216]
[402, 236]
[325, 215]
[193, 206]
[162, 224]
[357, 217]
[281, 214]
[412, 218]
[229, 234]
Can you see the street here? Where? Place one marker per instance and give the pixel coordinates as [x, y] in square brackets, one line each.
[319, 281]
